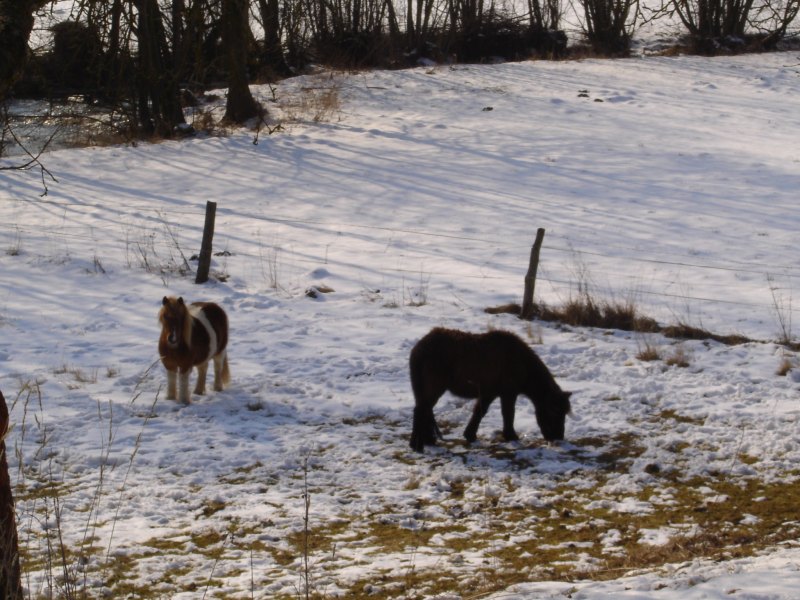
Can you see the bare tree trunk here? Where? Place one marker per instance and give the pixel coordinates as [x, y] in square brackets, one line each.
[158, 94]
[241, 105]
[10, 579]
[394, 26]
[178, 45]
[16, 24]
[273, 57]
[412, 38]
[113, 56]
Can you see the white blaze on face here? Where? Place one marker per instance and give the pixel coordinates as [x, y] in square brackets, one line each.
[197, 313]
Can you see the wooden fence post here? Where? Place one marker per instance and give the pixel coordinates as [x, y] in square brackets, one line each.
[530, 277]
[204, 263]
[10, 576]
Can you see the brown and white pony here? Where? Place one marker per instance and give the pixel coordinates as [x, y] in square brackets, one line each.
[191, 336]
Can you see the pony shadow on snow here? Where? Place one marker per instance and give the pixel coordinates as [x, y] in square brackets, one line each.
[483, 366]
[610, 454]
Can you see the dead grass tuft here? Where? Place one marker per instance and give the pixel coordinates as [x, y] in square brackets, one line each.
[688, 332]
[79, 375]
[679, 357]
[786, 365]
[648, 353]
[504, 309]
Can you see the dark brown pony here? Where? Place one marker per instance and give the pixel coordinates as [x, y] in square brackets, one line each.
[482, 366]
[191, 336]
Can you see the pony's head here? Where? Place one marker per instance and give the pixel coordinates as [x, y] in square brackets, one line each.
[551, 414]
[175, 320]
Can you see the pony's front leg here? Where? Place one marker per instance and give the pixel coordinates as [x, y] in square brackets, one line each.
[417, 441]
[183, 387]
[172, 385]
[481, 406]
[200, 386]
[424, 429]
[508, 405]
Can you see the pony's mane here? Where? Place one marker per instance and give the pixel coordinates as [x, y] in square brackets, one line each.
[187, 325]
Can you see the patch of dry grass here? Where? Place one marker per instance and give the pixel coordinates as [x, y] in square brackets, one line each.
[587, 311]
[739, 519]
[317, 102]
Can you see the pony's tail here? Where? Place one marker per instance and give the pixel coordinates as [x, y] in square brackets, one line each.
[226, 372]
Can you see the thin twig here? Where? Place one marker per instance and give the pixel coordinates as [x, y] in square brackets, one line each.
[136, 447]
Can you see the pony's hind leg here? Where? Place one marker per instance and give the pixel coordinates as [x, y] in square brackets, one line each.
[172, 385]
[200, 386]
[222, 374]
[481, 406]
[508, 406]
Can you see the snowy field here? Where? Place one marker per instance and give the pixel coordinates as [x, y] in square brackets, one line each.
[403, 201]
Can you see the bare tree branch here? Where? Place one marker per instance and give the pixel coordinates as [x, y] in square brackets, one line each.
[33, 160]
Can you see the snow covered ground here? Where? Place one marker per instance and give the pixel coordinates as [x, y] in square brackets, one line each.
[415, 196]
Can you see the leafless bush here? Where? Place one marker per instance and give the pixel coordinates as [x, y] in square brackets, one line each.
[716, 26]
[608, 25]
[156, 252]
